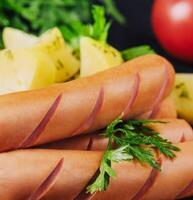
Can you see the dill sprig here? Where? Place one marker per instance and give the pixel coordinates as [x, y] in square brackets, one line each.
[132, 139]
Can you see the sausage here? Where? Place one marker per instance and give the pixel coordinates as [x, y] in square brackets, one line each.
[64, 174]
[166, 109]
[84, 105]
[175, 130]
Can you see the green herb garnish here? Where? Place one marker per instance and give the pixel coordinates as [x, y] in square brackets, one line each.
[113, 11]
[133, 139]
[184, 94]
[100, 27]
[37, 16]
[183, 91]
[98, 30]
[134, 52]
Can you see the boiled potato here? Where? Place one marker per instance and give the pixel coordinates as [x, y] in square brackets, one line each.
[24, 69]
[96, 56]
[8, 75]
[15, 38]
[53, 44]
[183, 96]
[50, 43]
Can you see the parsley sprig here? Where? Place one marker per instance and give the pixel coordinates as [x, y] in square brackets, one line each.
[97, 30]
[129, 140]
[37, 16]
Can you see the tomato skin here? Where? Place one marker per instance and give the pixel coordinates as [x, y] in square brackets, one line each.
[172, 23]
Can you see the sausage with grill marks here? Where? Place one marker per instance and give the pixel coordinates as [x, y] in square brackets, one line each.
[175, 130]
[84, 105]
[61, 174]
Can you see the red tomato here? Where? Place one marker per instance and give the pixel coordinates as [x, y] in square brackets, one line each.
[172, 22]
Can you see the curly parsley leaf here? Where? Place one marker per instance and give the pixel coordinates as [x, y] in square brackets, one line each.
[106, 171]
[133, 139]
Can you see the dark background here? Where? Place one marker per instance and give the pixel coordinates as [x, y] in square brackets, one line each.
[137, 30]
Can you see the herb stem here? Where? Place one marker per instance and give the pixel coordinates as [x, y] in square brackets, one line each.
[133, 140]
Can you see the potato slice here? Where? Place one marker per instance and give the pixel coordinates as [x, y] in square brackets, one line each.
[183, 96]
[24, 69]
[15, 38]
[53, 44]
[8, 77]
[96, 56]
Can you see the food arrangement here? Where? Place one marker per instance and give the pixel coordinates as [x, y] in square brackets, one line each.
[140, 147]
[67, 58]
[84, 120]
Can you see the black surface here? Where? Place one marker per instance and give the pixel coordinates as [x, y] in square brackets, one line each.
[138, 30]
